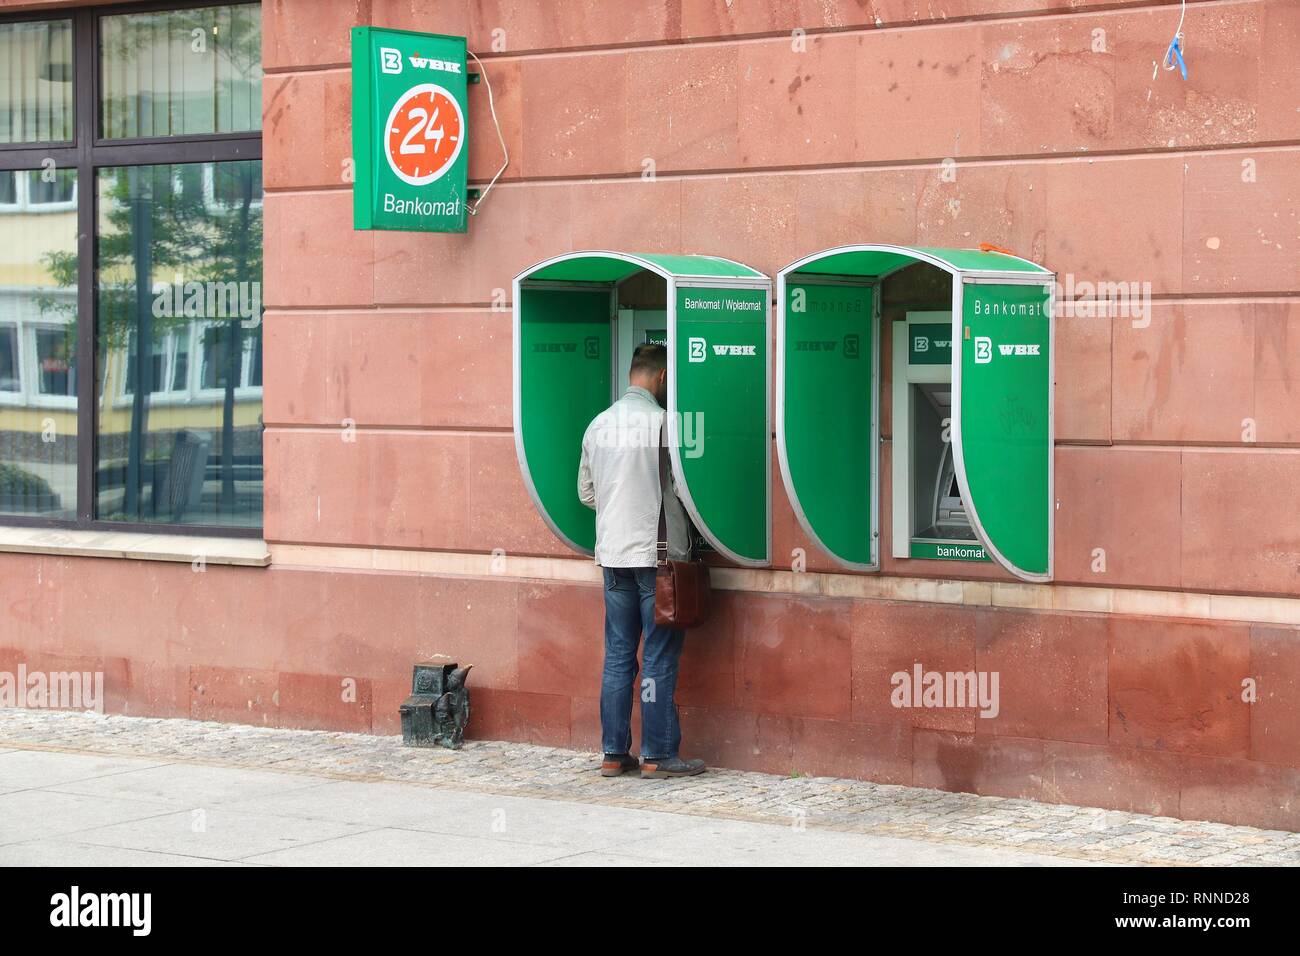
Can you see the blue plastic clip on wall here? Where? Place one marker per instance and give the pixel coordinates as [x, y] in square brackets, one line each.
[1175, 55]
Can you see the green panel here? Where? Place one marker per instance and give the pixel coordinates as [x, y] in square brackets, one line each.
[929, 343]
[720, 389]
[564, 382]
[1005, 427]
[975, 260]
[702, 266]
[872, 263]
[410, 131]
[603, 268]
[587, 269]
[879, 262]
[829, 391]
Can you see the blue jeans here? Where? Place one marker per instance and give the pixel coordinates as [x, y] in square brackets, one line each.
[630, 612]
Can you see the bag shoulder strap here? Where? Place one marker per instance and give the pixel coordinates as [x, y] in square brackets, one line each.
[661, 549]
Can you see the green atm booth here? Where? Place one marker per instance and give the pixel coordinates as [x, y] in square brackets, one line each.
[971, 402]
[577, 318]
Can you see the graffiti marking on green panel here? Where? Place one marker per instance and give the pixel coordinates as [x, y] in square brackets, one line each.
[564, 382]
[1006, 437]
[721, 399]
[829, 398]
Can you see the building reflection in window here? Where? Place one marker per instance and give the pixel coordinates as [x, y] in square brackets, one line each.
[178, 363]
[38, 343]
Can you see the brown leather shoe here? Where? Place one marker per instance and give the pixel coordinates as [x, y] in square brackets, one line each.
[617, 764]
[671, 767]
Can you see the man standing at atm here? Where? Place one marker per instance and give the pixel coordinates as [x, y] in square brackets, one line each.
[619, 477]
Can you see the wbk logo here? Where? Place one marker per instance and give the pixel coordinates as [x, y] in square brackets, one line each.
[697, 349]
[1031, 349]
[390, 60]
[429, 63]
[984, 349]
[851, 347]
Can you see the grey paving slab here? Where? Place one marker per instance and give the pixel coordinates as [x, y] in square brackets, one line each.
[398, 805]
[577, 826]
[216, 834]
[39, 814]
[191, 785]
[474, 787]
[740, 843]
[598, 858]
[69, 852]
[411, 848]
[24, 769]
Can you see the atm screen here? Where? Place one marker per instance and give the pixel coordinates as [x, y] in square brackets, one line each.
[940, 511]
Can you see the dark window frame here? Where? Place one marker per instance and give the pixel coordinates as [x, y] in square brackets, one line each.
[88, 153]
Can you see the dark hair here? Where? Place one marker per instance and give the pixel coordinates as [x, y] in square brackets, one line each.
[650, 357]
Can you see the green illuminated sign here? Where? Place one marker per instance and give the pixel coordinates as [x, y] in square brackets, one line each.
[409, 130]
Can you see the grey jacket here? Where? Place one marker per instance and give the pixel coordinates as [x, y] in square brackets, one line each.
[619, 477]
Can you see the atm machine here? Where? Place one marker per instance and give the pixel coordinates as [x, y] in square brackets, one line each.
[635, 327]
[929, 515]
[971, 448]
[577, 319]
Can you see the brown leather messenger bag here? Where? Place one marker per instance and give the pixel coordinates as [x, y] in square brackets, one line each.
[682, 591]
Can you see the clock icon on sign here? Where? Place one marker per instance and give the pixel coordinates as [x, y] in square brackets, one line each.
[424, 134]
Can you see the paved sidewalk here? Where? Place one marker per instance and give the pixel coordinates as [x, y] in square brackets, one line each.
[82, 789]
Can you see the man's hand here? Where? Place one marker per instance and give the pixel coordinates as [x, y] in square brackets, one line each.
[586, 486]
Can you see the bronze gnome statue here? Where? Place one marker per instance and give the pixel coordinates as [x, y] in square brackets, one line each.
[438, 709]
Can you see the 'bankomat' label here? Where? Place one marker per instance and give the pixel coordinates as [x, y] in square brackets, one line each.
[948, 551]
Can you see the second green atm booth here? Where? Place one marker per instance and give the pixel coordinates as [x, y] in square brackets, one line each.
[577, 318]
[971, 401]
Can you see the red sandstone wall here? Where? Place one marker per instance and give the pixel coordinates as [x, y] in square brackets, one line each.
[1128, 713]
[764, 155]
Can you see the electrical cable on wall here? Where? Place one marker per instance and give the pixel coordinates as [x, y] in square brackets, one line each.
[1174, 54]
[473, 210]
